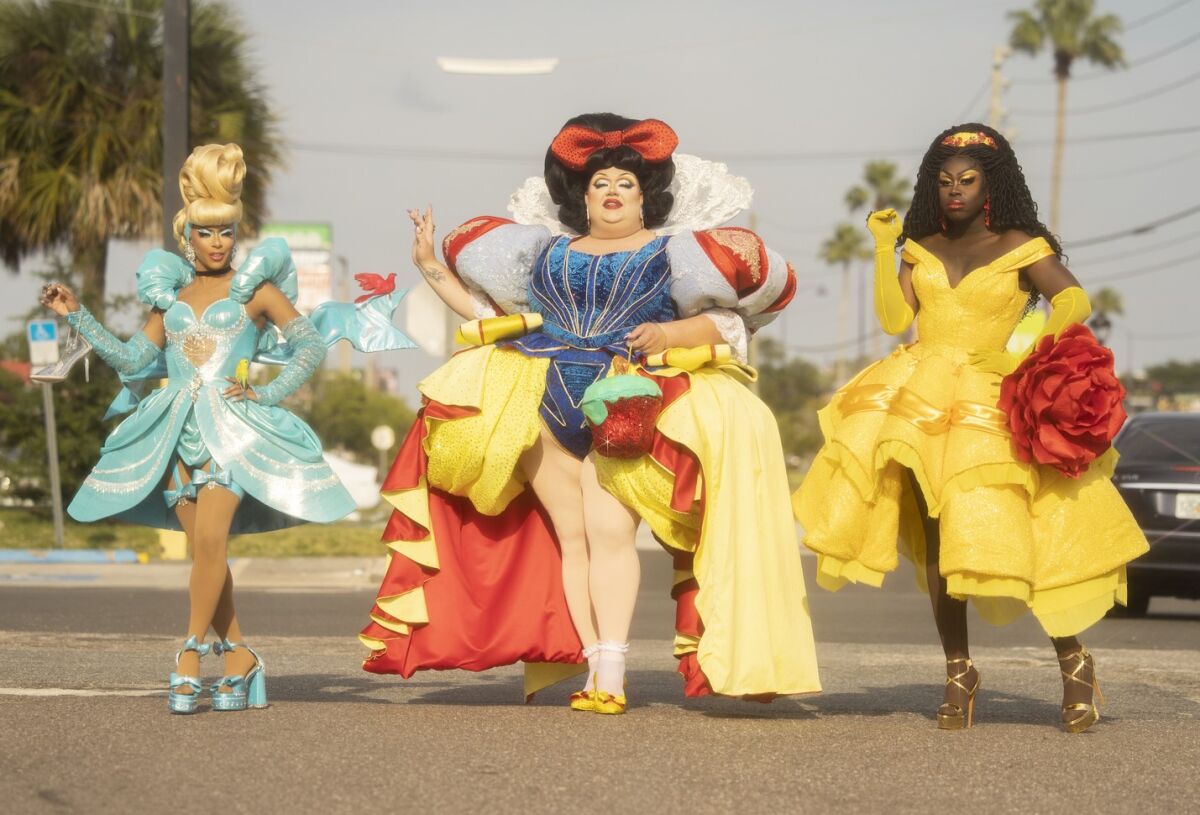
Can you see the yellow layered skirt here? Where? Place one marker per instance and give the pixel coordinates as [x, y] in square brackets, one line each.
[1013, 536]
[757, 635]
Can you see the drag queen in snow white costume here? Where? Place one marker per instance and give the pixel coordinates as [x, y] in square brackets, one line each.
[208, 452]
[992, 469]
[513, 536]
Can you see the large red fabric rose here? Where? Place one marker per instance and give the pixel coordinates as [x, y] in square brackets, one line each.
[1064, 402]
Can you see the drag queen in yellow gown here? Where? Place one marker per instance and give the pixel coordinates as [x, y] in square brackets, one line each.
[917, 451]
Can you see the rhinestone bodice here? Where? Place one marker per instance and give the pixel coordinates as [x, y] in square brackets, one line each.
[207, 349]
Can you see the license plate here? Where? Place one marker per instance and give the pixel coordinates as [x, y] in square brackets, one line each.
[1187, 505]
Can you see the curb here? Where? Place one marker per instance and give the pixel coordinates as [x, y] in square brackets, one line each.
[70, 556]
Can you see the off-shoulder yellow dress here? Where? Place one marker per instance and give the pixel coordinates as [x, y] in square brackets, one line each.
[1013, 535]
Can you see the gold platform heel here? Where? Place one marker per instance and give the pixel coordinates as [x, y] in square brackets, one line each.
[955, 718]
[1089, 711]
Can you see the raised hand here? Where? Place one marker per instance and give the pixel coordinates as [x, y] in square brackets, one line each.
[422, 251]
[885, 226]
[59, 299]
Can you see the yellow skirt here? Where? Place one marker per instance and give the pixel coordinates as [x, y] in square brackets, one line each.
[757, 635]
[1013, 536]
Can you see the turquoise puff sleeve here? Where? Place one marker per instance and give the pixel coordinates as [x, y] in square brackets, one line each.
[269, 262]
[161, 276]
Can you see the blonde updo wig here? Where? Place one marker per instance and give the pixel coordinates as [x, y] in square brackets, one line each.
[211, 185]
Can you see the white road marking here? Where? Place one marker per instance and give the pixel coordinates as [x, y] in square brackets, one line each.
[78, 692]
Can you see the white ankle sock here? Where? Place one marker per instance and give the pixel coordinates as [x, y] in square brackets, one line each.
[592, 654]
[610, 669]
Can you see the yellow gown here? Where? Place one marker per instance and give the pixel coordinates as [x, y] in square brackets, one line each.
[1013, 536]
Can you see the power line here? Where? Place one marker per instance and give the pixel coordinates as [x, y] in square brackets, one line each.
[1158, 267]
[1137, 230]
[1170, 49]
[1129, 100]
[1154, 15]
[1135, 252]
[1138, 168]
[970, 106]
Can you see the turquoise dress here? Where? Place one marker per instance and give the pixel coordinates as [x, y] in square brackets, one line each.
[268, 455]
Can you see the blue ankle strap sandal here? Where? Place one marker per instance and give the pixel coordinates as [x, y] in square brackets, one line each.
[245, 691]
[185, 702]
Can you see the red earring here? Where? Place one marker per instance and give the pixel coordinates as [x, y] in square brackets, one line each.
[987, 211]
[942, 221]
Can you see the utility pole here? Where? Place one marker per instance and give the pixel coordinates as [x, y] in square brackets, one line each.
[176, 133]
[997, 115]
[176, 124]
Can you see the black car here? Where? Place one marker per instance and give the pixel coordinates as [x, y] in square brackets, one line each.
[1159, 477]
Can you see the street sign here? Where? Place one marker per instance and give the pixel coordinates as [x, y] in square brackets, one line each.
[383, 437]
[43, 342]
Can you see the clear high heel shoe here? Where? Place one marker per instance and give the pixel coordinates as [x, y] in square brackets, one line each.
[185, 702]
[245, 691]
[76, 348]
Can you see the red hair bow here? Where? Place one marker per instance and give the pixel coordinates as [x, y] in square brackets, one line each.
[574, 144]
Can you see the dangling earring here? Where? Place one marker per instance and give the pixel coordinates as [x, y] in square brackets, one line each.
[642, 216]
[987, 211]
[587, 213]
[942, 223]
[233, 254]
[189, 254]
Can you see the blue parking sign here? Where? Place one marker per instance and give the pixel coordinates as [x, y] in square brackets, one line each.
[43, 341]
[43, 331]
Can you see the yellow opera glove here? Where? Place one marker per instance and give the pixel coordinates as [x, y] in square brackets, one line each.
[893, 311]
[1068, 307]
[492, 329]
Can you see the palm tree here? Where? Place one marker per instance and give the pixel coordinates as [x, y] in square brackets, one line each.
[81, 123]
[1071, 31]
[847, 245]
[882, 187]
[1106, 303]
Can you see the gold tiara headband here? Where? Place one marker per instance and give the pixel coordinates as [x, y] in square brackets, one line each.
[966, 138]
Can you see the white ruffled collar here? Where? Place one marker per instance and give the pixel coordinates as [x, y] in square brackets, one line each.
[706, 196]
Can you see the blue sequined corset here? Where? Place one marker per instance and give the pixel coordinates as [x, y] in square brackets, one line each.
[592, 301]
[589, 303]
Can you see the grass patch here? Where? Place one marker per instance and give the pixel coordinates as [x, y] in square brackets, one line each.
[312, 540]
[33, 529]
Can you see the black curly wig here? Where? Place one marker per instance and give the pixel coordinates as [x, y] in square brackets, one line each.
[1012, 207]
[568, 187]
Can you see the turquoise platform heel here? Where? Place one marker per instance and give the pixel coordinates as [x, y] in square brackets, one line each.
[244, 691]
[185, 702]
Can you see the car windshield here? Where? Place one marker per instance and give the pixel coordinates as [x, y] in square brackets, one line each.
[1164, 443]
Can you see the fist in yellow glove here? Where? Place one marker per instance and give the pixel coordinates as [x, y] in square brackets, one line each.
[885, 226]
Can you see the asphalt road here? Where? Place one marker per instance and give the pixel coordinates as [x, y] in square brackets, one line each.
[85, 729]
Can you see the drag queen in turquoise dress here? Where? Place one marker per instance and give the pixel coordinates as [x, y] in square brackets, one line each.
[207, 452]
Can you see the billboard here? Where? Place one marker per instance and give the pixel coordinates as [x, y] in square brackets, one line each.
[312, 250]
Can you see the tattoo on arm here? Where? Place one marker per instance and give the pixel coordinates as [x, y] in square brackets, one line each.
[433, 274]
